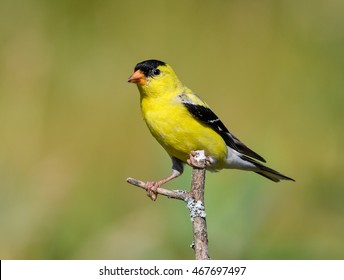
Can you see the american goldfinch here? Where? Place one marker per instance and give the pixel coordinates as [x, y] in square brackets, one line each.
[182, 123]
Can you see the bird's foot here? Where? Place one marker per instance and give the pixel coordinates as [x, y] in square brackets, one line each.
[192, 161]
[151, 189]
[152, 186]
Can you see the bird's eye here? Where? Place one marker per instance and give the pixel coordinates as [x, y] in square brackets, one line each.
[156, 72]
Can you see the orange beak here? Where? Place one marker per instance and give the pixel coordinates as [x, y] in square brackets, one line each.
[137, 78]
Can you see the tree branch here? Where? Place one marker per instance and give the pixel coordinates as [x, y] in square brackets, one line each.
[194, 200]
[176, 194]
[198, 221]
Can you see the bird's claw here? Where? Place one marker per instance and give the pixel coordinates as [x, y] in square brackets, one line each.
[194, 163]
[151, 189]
[191, 160]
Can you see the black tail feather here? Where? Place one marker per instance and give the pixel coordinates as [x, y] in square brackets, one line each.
[267, 172]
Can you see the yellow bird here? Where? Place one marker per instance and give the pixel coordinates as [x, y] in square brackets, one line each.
[182, 123]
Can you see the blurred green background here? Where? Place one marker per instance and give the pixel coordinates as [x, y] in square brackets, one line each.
[71, 129]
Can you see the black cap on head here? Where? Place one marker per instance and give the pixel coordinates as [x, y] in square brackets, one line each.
[148, 66]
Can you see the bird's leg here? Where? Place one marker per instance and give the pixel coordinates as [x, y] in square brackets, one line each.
[152, 186]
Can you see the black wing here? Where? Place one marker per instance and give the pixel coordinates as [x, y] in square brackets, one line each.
[207, 116]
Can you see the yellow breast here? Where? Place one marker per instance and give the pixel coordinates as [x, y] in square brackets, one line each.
[178, 132]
